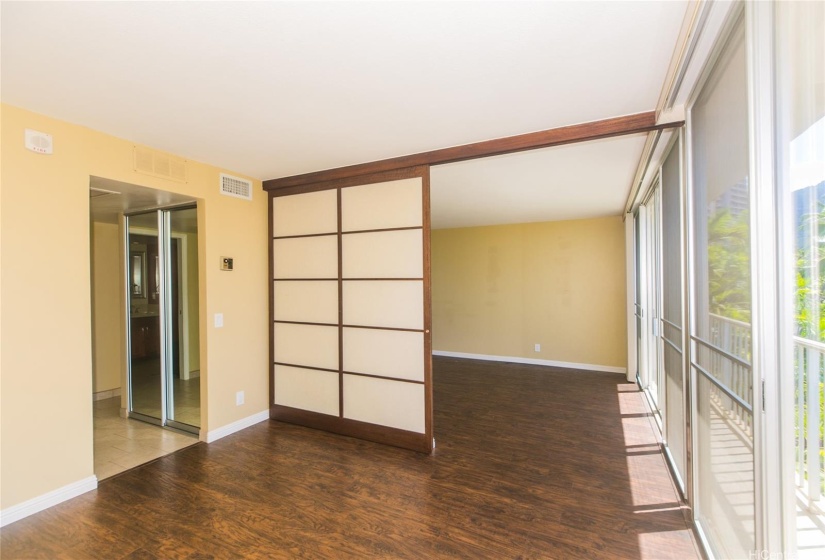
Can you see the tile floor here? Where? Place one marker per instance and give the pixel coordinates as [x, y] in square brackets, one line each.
[146, 398]
[123, 443]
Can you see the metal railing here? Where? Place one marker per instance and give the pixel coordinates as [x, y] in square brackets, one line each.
[730, 365]
[809, 373]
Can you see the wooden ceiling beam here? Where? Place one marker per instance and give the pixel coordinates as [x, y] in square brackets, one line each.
[607, 128]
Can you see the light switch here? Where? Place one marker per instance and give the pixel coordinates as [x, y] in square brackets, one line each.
[218, 320]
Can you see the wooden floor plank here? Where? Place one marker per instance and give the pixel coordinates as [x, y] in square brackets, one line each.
[531, 462]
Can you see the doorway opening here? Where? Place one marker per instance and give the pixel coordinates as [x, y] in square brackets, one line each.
[146, 340]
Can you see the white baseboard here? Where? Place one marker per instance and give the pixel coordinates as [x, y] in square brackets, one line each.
[532, 361]
[237, 426]
[107, 394]
[47, 500]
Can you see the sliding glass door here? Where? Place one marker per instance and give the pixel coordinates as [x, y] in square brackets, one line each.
[145, 338]
[742, 240]
[672, 335]
[800, 145]
[162, 278]
[721, 355]
[649, 298]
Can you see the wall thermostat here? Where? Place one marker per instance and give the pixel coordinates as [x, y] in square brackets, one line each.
[226, 263]
[39, 142]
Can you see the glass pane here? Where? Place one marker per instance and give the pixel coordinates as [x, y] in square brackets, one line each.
[638, 291]
[722, 306]
[184, 360]
[144, 317]
[801, 178]
[654, 370]
[672, 309]
[725, 477]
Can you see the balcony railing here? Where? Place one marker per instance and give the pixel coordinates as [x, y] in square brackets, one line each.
[733, 371]
[734, 338]
[809, 372]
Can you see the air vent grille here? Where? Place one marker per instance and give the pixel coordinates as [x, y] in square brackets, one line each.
[159, 164]
[235, 186]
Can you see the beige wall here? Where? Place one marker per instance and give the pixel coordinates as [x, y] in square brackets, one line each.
[499, 290]
[46, 361]
[192, 302]
[107, 307]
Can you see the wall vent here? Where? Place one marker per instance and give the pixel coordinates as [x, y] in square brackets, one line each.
[159, 164]
[235, 186]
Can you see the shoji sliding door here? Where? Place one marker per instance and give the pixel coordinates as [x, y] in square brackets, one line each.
[351, 307]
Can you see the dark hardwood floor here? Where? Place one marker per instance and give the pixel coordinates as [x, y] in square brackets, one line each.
[531, 462]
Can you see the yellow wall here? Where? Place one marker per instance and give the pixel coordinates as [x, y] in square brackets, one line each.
[499, 290]
[46, 362]
[192, 302]
[107, 307]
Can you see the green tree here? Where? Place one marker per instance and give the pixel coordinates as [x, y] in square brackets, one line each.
[729, 265]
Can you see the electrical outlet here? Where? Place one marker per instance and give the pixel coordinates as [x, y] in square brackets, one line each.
[239, 398]
[538, 347]
[218, 320]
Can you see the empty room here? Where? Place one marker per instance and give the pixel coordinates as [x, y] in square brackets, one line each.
[411, 279]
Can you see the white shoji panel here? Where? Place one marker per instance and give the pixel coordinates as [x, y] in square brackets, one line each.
[387, 254]
[307, 389]
[310, 302]
[305, 214]
[384, 303]
[382, 205]
[306, 257]
[384, 402]
[389, 353]
[306, 345]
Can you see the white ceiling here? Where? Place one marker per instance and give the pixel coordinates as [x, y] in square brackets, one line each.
[272, 89]
[108, 199]
[536, 186]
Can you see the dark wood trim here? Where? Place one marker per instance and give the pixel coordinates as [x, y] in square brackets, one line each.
[374, 376]
[305, 323]
[305, 235]
[366, 177]
[285, 364]
[340, 309]
[381, 328]
[381, 230]
[352, 428]
[606, 128]
[271, 307]
[429, 429]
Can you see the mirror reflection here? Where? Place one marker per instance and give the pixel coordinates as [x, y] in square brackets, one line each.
[138, 274]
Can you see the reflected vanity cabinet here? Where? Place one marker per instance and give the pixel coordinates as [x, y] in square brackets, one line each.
[145, 337]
